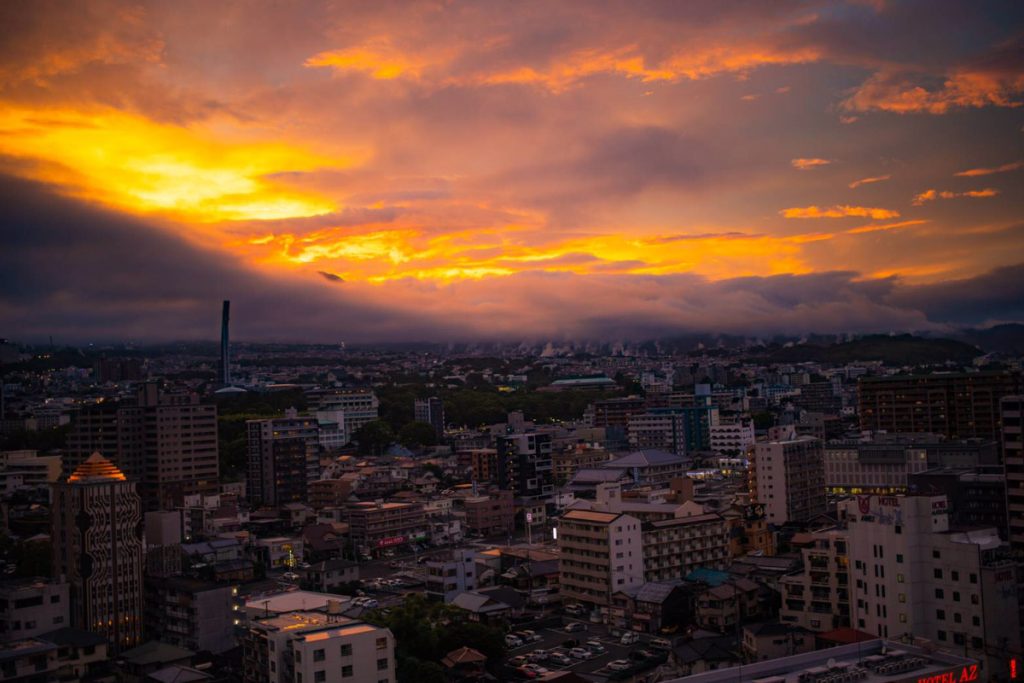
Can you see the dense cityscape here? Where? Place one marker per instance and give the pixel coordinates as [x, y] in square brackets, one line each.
[465, 341]
[624, 512]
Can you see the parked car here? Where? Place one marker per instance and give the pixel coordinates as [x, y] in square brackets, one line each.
[575, 627]
[538, 656]
[580, 653]
[575, 609]
[518, 661]
[528, 636]
[630, 638]
[641, 655]
[526, 673]
[619, 665]
[559, 658]
[513, 641]
[661, 644]
[595, 646]
[537, 669]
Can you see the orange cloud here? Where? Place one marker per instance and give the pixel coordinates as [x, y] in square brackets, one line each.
[808, 164]
[378, 58]
[885, 226]
[132, 163]
[1005, 168]
[381, 60]
[866, 181]
[841, 211]
[886, 91]
[932, 195]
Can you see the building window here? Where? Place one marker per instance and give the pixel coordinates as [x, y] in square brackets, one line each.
[937, 573]
[942, 635]
[346, 650]
[974, 578]
[974, 598]
[899, 578]
[940, 594]
[976, 621]
[899, 558]
[957, 618]
[936, 555]
[903, 597]
[346, 671]
[958, 638]
[319, 676]
[956, 575]
[940, 614]
[318, 655]
[382, 664]
[956, 596]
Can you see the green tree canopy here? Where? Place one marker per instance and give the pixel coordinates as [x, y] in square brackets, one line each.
[417, 434]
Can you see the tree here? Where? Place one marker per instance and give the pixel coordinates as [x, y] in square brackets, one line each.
[373, 437]
[417, 434]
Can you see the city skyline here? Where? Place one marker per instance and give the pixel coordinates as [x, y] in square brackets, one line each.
[457, 171]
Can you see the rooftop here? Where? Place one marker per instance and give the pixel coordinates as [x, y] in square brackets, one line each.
[96, 468]
[875, 661]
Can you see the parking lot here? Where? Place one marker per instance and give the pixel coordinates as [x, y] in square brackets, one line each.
[555, 639]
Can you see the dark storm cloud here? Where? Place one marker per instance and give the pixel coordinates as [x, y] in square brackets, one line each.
[992, 297]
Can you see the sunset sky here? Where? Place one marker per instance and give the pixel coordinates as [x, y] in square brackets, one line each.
[461, 170]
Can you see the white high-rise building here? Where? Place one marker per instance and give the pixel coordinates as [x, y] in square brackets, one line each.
[914, 577]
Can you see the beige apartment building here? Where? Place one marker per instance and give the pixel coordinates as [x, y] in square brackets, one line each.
[790, 479]
[313, 647]
[600, 553]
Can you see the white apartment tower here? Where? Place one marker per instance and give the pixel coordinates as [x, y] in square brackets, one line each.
[914, 577]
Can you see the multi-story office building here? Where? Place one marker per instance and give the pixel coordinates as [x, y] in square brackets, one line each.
[312, 647]
[358, 406]
[956, 405]
[283, 458]
[599, 553]
[193, 614]
[524, 465]
[431, 411]
[1012, 415]
[819, 397]
[490, 514]
[374, 527]
[615, 412]
[31, 607]
[818, 597]
[882, 463]
[658, 429]
[790, 479]
[97, 549]
[451, 573]
[915, 577]
[166, 441]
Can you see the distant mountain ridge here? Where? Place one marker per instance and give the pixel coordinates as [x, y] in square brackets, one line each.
[903, 349]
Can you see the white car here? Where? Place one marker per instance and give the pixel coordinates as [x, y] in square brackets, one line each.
[559, 658]
[513, 641]
[580, 653]
[630, 638]
[619, 665]
[538, 656]
[595, 647]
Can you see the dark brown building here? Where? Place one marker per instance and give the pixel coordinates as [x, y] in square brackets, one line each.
[956, 405]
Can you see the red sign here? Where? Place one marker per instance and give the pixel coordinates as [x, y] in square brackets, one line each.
[393, 540]
[1013, 669]
[964, 674]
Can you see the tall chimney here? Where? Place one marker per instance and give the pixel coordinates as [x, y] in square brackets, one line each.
[225, 359]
